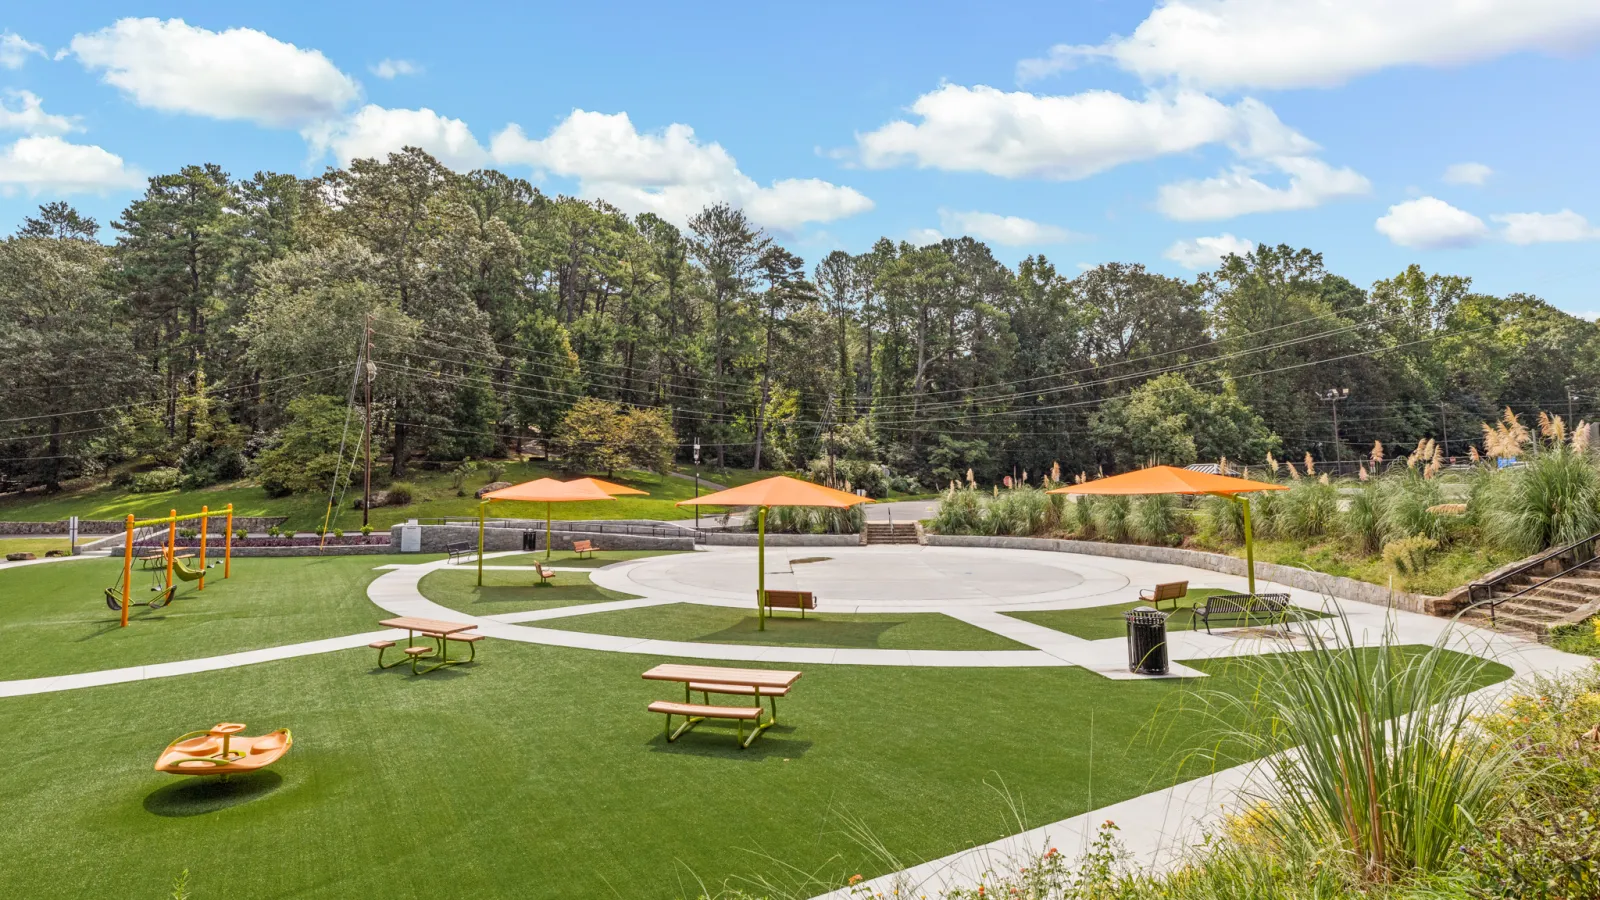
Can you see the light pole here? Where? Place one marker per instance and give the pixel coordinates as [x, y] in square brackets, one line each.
[697, 482]
[1333, 396]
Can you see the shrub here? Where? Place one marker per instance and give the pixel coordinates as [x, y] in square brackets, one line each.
[366, 530]
[1221, 520]
[494, 470]
[1362, 519]
[960, 512]
[203, 464]
[1083, 516]
[155, 481]
[1405, 503]
[1111, 518]
[188, 532]
[1154, 519]
[1019, 511]
[1409, 556]
[273, 531]
[401, 493]
[812, 520]
[1388, 772]
[338, 532]
[240, 534]
[1308, 509]
[1552, 499]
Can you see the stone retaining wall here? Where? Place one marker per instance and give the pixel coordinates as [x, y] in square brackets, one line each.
[748, 539]
[1304, 579]
[435, 537]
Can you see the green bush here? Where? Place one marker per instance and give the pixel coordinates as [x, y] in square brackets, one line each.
[401, 493]
[1553, 499]
[1362, 520]
[1404, 503]
[1083, 516]
[1308, 509]
[1111, 518]
[812, 520]
[1409, 556]
[155, 481]
[1221, 520]
[1154, 519]
[366, 530]
[960, 512]
[1019, 512]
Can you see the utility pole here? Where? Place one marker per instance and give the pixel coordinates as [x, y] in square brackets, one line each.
[1333, 396]
[366, 490]
[1572, 396]
[1444, 427]
[697, 481]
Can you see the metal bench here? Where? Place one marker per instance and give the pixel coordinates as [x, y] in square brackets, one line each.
[1172, 590]
[1274, 606]
[582, 547]
[801, 600]
[457, 549]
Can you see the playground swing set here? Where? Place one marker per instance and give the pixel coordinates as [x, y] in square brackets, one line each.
[120, 596]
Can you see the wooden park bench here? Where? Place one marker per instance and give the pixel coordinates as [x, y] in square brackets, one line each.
[1274, 606]
[1172, 590]
[458, 549]
[582, 547]
[801, 600]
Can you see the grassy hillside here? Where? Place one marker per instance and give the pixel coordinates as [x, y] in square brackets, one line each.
[434, 496]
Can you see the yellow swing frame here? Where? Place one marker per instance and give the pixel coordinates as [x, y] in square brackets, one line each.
[171, 549]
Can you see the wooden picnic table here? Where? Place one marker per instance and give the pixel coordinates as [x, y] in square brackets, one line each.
[757, 683]
[413, 624]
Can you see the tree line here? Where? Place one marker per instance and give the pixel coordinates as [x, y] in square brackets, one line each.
[182, 337]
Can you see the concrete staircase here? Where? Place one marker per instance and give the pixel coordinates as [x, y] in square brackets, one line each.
[892, 533]
[1570, 598]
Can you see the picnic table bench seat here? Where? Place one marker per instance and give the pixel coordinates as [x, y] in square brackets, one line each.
[694, 713]
[801, 600]
[772, 694]
[1274, 607]
[582, 547]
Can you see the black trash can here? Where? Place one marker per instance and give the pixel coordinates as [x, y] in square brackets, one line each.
[1147, 641]
[530, 540]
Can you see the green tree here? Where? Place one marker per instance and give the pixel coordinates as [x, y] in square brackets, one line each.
[1168, 421]
[304, 455]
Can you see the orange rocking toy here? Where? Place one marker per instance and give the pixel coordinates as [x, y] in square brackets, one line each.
[218, 751]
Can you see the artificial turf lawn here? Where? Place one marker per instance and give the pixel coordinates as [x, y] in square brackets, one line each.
[568, 558]
[54, 620]
[729, 625]
[1098, 622]
[538, 773]
[504, 592]
[36, 546]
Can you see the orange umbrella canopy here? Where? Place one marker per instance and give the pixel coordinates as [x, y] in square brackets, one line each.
[1168, 480]
[549, 490]
[615, 490]
[779, 490]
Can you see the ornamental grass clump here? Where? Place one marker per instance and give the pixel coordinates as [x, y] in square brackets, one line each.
[1308, 509]
[1362, 519]
[1019, 511]
[1154, 519]
[1552, 499]
[1221, 520]
[1111, 515]
[960, 511]
[1372, 757]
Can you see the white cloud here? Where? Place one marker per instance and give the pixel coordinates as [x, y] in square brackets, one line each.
[1543, 228]
[1467, 173]
[235, 74]
[48, 163]
[375, 132]
[390, 69]
[1429, 223]
[922, 237]
[31, 118]
[1009, 231]
[670, 173]
[1238, 191]
[1023, 135]
[1220, 44]
[1205, 252]
[15, 50]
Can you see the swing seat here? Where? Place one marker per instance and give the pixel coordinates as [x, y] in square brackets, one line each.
[114, 599]
[184, 573]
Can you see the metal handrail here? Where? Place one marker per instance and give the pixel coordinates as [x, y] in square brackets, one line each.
[1581, 559]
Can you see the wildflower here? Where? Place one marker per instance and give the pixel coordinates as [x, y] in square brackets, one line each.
[855, 879]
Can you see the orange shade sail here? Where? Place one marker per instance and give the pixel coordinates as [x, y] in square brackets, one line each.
[549, 490]
[779, 490]
[1168, 480]
[615, 490]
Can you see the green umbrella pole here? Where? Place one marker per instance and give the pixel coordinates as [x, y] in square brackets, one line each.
[481, 508]
[761, 569]
[1249, 542]
[547, 529]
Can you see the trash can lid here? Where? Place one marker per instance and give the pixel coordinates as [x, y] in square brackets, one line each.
[1144, 615]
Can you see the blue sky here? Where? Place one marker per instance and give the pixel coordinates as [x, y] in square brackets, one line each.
[1158, 134]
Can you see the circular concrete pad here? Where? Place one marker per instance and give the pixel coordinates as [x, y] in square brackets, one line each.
[861, 579]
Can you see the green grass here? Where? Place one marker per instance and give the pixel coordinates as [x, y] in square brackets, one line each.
[1582, 638]
[504, 592]
[1099, 622]
[36, 546]
[54, 620]
[436, 497]
[727, 625]
[537, 773]
[1446, 570]
[568, 558]
[729, 478]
